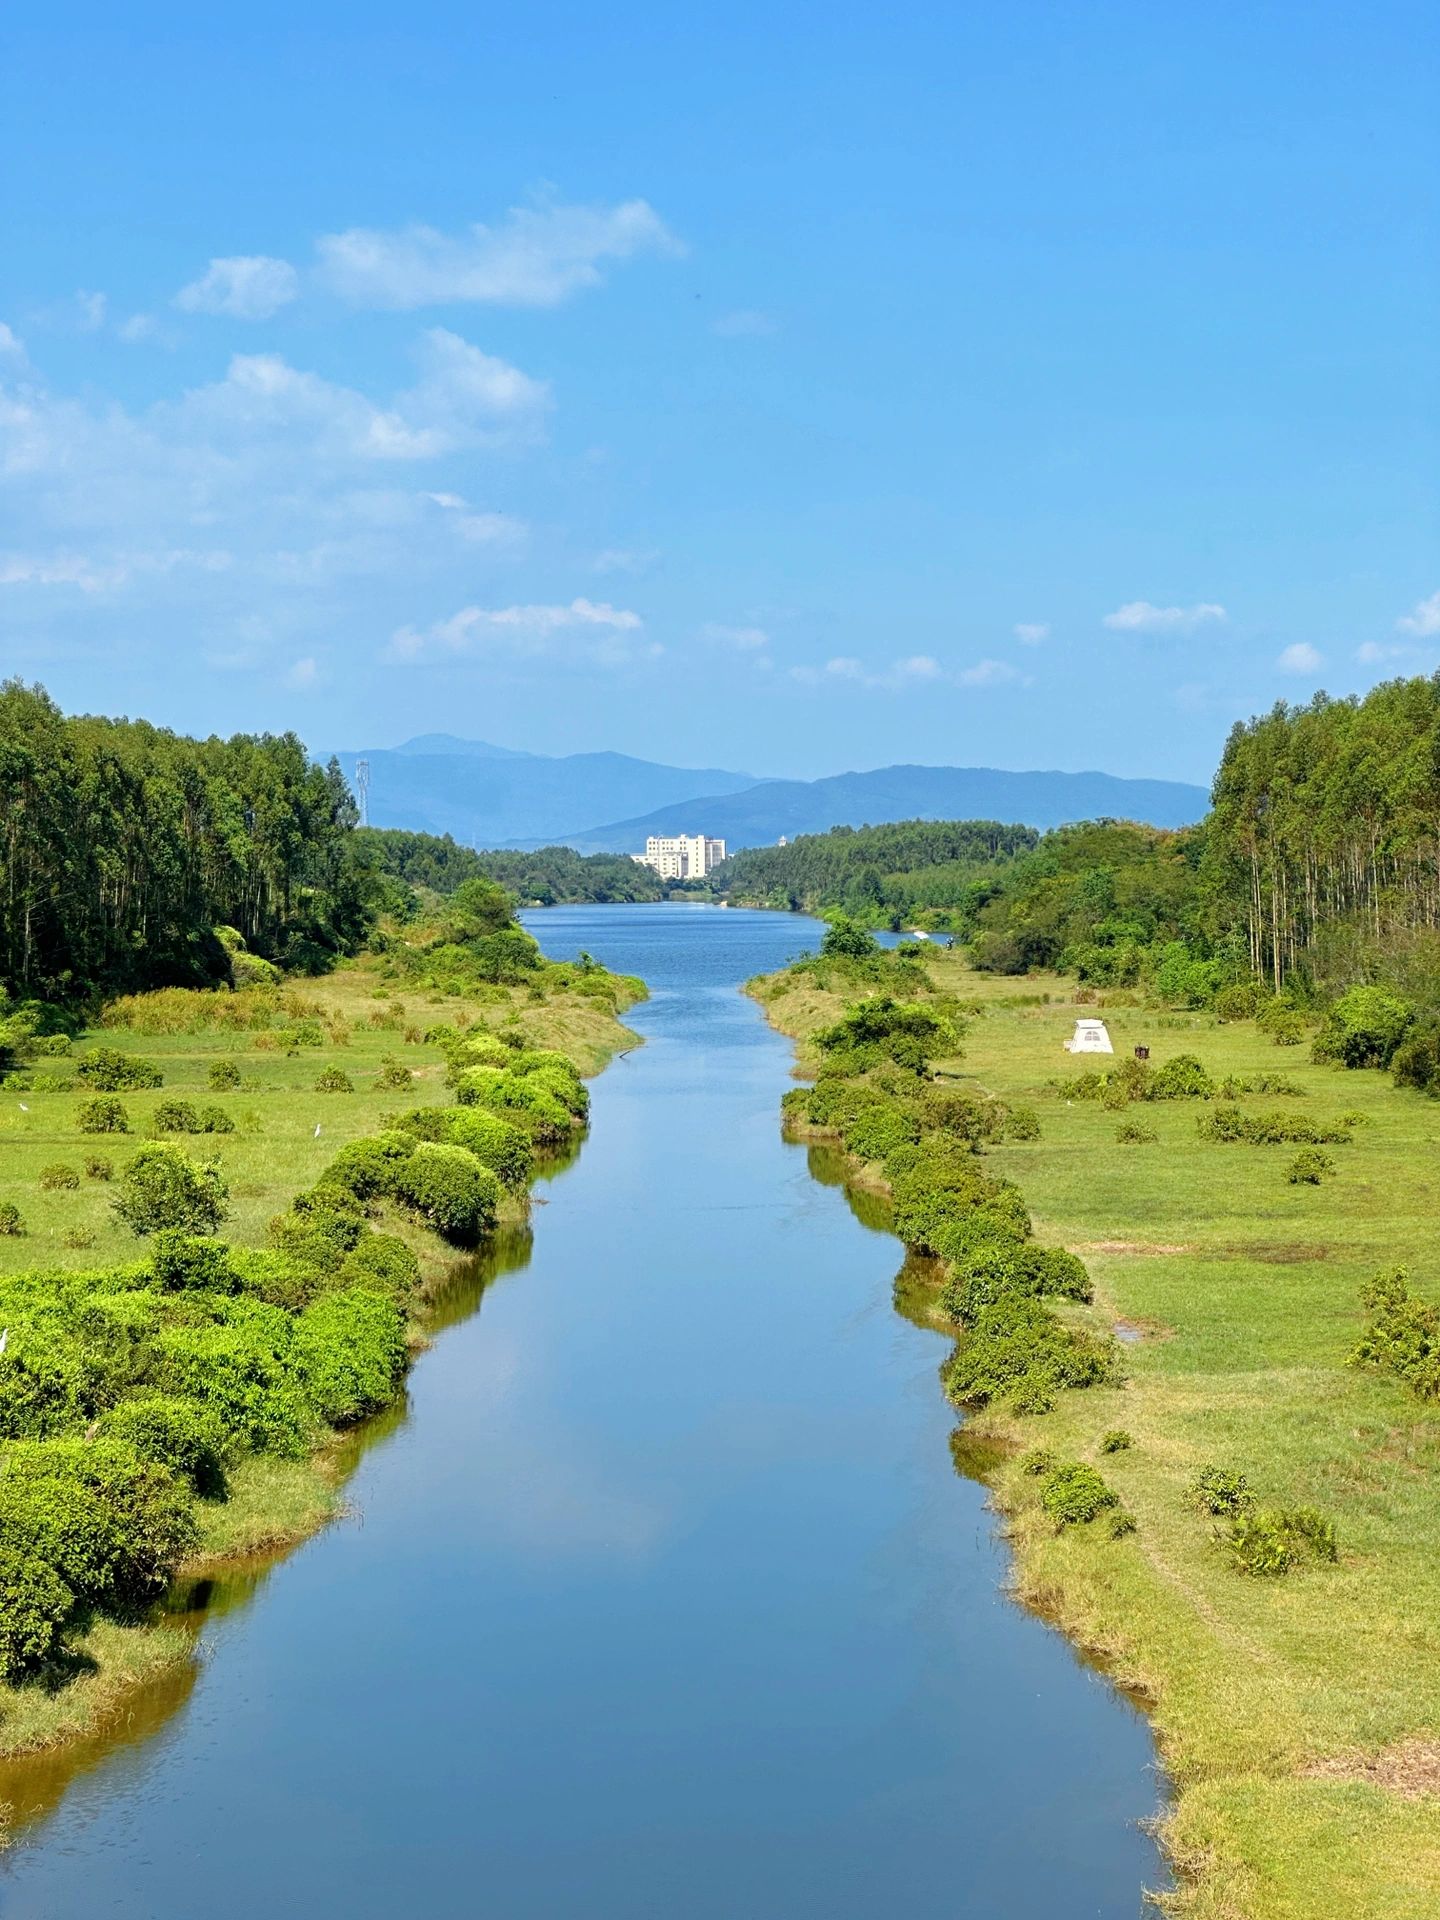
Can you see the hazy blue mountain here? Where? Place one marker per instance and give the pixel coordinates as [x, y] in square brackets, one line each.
[759, 814]
[491, 797]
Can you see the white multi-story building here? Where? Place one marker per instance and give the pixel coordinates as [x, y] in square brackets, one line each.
[681, 856]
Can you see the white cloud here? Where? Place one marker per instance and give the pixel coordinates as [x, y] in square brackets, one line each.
[1424, 619]
[92, 575]
[625, 560]
[478, 529]
[241, 286]
[1140, 616]
[1374, 653]
[989, 673]
[90, 310]
[1031, 632]
[593, 630]
[303, 674]
[746, 323]
[915, 670]
[1300, 658]
[535, 257]
[742, 639]
[11, 345]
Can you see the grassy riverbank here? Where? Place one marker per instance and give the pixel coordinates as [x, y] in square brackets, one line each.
[1299, 1716]
[302, 1074]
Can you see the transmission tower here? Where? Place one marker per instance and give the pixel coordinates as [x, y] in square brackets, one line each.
[362, 790]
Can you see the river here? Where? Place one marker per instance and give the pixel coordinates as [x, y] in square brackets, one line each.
[665, 1600]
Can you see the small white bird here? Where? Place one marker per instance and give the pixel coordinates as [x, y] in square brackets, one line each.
[23, 1107]
[316, 1134]
[4, 1339]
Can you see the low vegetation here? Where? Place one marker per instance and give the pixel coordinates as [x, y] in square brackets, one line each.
[1214, 1398]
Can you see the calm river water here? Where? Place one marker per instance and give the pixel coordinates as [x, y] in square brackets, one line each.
[665, 1600]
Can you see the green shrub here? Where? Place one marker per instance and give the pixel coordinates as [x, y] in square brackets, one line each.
[12, 1225]
[522, 1098]
[1037, 1460]
[1364, 1028]
[1235, 1084]
[1073, 1494]
[1240, 1001]
[334, 1080]
[383, 1263]
[1014, 1337]
[451, 1191]
[1220, 1490]
[1309, 1167]
[57, 1177]
[1132, 1134]
[878, 1129]
[98, 1167]
[495, 1142]
[77, 1237]
[181, 1434]
[34, 1600]
[1268, 1541]
[223, 1076]
[241, 1367]
[107, 1070]
[162, 1187]
[1228, 1125]
[1183, 1078]
[1402, 1334]
[1022, 1124]
[183, 1261]
[1117, 1440]
[112, 1526]
[393, 1076]
[50, 1083]
[1416, 1061]
[368, 1168]
[350, 1354]
[103, 1115]
[51, 1046]
[43, 1386]
[176, 1116]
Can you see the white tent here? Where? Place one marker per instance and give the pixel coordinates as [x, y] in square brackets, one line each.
[1090, 1037]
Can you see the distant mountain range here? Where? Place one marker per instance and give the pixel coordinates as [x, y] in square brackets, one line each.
[488, 796]
[758, 815]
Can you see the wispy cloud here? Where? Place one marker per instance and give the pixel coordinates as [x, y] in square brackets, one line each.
[478, 528]
[914, 670]
[303, 674]
[12, 347]
[1300, 658]
[250, 286]
[746, 323]
[91, 575]
[1142, 616]
[1423, 619]
[742, 639]
[1031, 632]
[1375, 653]
[604, 634]
[535, 257]
[625, 560]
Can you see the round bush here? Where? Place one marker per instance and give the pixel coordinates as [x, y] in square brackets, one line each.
[107, 1070]
[113, 1526]
[367, 1168]
[495, 1142]
[1309, 1167]
[105, 1114]
[176, 1116]
[451, 1191]
[383, 1263]
[162, 1187]
[98, 1167]
[59, 1178]
[223, 1076]
[183, 1261]
[394, 1076]
[181, 1434]
[11, 1223]
[334, 1080]
[33, 1602]
[1074, 1494]
[350, 1354]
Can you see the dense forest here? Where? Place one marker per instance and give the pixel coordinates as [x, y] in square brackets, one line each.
[131, 856]
[549, 877]
[880, 876]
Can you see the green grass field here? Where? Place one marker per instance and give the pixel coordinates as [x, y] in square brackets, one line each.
[1299, 1717]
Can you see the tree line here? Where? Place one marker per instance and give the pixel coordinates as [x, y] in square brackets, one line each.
[545, 877]
[879, 876]
[124, 847]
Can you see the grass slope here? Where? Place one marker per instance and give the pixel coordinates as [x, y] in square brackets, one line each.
[1299, 1717]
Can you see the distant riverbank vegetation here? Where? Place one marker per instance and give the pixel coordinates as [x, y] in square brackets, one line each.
[1309, 896]
[550, 877]
[237, 1157]
[1200, 1375]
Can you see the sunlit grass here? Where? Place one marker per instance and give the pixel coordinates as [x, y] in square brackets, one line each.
[1245, 1290]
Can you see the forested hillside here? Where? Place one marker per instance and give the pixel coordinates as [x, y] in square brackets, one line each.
[553, 876]
[876, 874]
[122, 847]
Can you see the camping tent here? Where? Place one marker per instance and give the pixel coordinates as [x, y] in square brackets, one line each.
[1090, 1037]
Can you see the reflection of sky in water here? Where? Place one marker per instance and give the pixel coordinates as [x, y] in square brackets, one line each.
[665, 1601]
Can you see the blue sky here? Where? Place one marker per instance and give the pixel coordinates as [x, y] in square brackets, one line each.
[789, 388]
